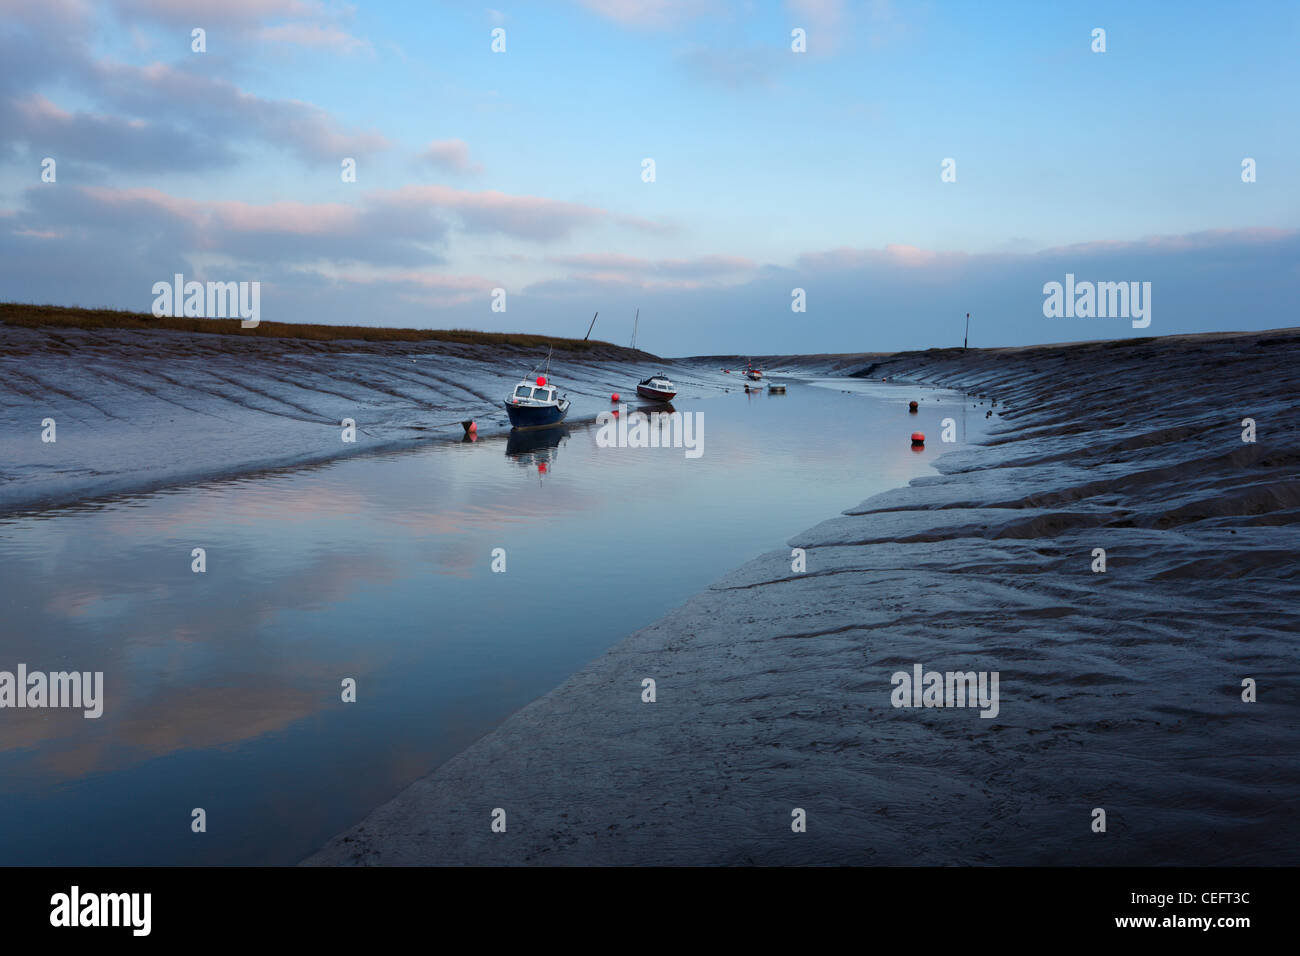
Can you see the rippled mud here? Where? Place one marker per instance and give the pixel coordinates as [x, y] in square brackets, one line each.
[139, 410]
[1120, 690]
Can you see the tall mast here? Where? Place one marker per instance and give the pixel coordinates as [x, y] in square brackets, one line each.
[635, 322]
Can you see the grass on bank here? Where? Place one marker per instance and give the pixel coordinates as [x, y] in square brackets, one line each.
[34, 316]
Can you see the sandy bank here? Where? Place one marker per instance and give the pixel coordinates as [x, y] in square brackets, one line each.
[1119, 690]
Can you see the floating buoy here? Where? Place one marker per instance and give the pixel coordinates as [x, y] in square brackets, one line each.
[911, 406]
[469, 426]
[541, 380]
[988, 414]
[614, 397]
[918, 438]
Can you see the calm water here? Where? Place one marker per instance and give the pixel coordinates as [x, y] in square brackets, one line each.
[222, 689]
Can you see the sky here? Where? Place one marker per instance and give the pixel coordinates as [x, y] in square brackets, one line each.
[509, 190]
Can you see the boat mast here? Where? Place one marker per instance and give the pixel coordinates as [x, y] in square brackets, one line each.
[635, 322]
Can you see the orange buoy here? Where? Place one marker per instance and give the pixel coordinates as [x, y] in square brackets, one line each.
[911, 406]
[614, 397]
[918, 438]
[541, 380]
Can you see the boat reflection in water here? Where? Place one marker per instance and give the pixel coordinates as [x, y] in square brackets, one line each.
[649, 408]
[536, 448]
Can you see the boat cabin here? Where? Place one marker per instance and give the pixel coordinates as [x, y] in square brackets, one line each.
[541, 394]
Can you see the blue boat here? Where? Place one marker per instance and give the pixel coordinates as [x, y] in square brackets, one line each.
[536, 404]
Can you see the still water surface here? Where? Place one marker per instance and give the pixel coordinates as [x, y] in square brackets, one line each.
[222, 689]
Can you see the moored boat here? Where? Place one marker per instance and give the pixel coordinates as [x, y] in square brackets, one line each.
[536, 404]
[657, 388]
[776, 387]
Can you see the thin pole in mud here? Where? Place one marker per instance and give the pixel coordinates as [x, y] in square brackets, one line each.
[966, 340]
[590, 327]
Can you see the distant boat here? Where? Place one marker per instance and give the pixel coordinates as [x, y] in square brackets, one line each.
[752, 373]
[657, 388]
[776, 387]
[536, 404]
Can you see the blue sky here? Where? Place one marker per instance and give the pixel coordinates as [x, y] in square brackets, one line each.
[775, 170]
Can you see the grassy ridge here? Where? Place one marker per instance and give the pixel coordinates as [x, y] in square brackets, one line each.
[32, 316]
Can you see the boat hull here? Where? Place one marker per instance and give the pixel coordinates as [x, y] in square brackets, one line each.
[535, 416]
[655, 394]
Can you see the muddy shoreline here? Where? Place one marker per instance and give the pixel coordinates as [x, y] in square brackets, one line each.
[140, 410]
[1120, 690]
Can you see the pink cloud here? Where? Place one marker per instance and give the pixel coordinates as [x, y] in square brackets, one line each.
[490, 211]
[203, 12]
[163, 90]
[314, 35]
[825, 21]
[893, 255]
[424, 280]
[38, 108]
[451, 155]
[701, 266]
[286, 218]
[654, 14]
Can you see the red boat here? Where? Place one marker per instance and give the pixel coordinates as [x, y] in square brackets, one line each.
[657, 388]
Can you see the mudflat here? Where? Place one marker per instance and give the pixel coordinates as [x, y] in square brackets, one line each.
[1122, 552]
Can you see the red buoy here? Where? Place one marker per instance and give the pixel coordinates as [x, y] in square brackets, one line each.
[614, 397]
[918, 438]
[541, 380]
[473, 427]
[911, 406]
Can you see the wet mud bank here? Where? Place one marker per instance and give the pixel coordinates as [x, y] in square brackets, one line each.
[1120, 690]
[137, 410]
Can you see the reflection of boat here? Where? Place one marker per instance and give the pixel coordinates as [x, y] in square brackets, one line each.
[527, 444]
[536, 404]
[657, 388]
[648, 408]
[536, 448]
